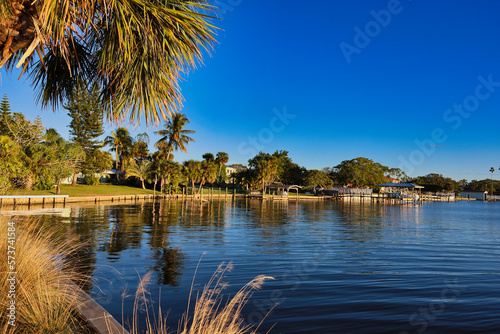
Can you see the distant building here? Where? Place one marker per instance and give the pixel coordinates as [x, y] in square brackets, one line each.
[478, 195]
[230, 171]
[109, 176]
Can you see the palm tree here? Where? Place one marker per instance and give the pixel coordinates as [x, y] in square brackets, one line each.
[174, 136]
[139, 149]
[492, 170]
[208, 173]
[136, 50]
[119, 140]
[192, 168]
[222, 159]
[141, 169]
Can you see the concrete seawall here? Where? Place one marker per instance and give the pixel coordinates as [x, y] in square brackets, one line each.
[49, 200]
[52, 201]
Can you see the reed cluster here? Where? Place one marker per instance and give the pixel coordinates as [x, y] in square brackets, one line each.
[212, 312]
[36, 279]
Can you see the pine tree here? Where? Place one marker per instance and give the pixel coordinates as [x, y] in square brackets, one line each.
[4, 115]
[86, 125]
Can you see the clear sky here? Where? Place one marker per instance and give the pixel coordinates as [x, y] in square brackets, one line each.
[410, 84]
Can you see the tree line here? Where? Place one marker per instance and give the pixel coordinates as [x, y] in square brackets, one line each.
[32, 157]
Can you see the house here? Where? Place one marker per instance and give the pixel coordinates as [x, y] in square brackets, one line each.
[478, 195]
[109, 176]
[230, 171]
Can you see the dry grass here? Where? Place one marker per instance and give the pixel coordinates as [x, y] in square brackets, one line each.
[43, 304]
[212, 313]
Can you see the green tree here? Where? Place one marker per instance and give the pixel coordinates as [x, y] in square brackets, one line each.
[121, 143]
[222, 159]
[483, 185]
[55, 158]
[436, 182]
[28, 136]
[174, 136]
[171, 172]
[207, 172]
[11, 164]
[192, 170]
[208, 157]
[317, 179]
[23, 131]
[141, 169]
[5, 113]
[86, 125]
[135, 50]
[362, 172]
[263, 169]
[140, 150]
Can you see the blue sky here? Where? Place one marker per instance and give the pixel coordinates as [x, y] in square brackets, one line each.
[410, 84]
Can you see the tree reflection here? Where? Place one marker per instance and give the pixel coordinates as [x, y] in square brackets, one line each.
[169, 265]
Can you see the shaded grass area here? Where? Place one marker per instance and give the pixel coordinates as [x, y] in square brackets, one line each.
[81, 190]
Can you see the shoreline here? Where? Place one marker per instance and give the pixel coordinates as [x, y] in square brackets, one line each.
[62, 201]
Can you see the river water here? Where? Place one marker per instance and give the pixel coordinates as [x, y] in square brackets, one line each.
[337, 267]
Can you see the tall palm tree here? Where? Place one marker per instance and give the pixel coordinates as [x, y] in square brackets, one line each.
[119, 140]
[492, 170]
[140, 169]
[222, 159]
[192, 168]
[174, 136]
[136, 50]
[208, 173]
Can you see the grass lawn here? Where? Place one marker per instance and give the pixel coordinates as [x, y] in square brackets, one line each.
[81, 190]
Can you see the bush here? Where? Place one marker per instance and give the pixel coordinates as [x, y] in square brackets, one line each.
[91, 180]
[44, 185]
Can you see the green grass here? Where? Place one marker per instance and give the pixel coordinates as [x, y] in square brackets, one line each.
[108, 190]
[85, 190]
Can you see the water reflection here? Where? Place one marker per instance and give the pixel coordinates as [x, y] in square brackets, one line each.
[335, 263]
[277, 225]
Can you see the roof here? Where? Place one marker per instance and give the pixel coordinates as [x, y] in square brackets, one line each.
[399, 185]
[113, 171]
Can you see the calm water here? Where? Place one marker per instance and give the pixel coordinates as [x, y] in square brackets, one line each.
[338, 268]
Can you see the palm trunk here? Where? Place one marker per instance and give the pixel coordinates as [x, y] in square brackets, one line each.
[116, 158]
[58, 186]
[201, 186]
[168, 152]
[28, 183]
[75, 179]
[116, 164]
[143, 187]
